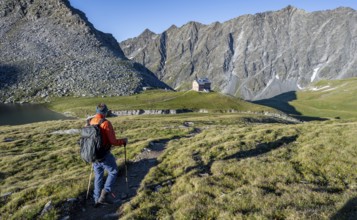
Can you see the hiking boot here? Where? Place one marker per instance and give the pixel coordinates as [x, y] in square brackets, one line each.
[104, 198]
[96, 205]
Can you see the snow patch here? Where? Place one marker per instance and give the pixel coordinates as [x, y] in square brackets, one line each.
[277, 76]
[314, 74]
[270, 81]
[240, 37]
[300, 87]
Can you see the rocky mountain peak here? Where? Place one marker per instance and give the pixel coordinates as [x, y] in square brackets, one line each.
[48, 48]
[35, 9]
[172, 27]
[289, 9]
[345, 9]
[146, 34]
[192, 25]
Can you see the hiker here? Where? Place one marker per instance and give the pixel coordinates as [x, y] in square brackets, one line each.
[107, 160]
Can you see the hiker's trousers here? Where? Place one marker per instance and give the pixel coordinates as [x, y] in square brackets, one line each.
[109, 164]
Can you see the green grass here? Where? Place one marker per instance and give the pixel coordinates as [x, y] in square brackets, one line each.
[238, 167]
[234, 170]
[38, 166]
[157, 99]
[328, 99]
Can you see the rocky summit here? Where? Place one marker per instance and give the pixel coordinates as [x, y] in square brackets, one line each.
[253, 56]
[48, 48]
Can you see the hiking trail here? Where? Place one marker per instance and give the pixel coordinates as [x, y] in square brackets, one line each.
[136, 172]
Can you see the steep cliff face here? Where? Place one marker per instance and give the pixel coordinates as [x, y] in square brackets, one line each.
[48, 48]
[254, 56]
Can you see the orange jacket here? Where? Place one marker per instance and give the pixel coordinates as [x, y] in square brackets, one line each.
[107, 131]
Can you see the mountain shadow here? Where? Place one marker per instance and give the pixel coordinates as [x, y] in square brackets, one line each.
[347, 212]
[150, 77]
[281, 103]
[201, 169]
[262, 148]
[8, 75]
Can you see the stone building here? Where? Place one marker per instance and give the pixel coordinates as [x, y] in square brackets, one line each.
[201, 84]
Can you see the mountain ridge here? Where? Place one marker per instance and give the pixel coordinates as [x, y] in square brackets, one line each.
[254, 56]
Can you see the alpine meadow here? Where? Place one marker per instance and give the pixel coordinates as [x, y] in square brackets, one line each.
[270, 133]
[225, 165]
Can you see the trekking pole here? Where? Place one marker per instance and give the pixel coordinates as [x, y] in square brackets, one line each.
[126, 169]
[90, 177]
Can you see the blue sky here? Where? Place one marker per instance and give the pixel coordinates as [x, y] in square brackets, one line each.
[129, 18]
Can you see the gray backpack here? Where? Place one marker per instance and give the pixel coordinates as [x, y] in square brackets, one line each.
[91, 142]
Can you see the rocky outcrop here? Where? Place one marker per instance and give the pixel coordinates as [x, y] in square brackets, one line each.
[149, 112]
[48, 48]
[253, 56]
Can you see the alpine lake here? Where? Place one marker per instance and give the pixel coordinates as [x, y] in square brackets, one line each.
[17, 114]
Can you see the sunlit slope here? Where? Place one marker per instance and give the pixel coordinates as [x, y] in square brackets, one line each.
[223, 165]
[158, 99]
[233, 170]
[328, 99]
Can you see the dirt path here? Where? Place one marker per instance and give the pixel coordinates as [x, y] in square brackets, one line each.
[123, 191]
[137, 171]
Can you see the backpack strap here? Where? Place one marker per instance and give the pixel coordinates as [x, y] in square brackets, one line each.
[88, 120]
[101, 121]
[104, 149]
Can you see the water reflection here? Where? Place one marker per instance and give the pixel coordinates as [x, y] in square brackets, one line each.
[16, 114]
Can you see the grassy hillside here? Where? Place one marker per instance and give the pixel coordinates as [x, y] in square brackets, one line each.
[236, 168]
[328, 99]
[158, 99]
[254, 171]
